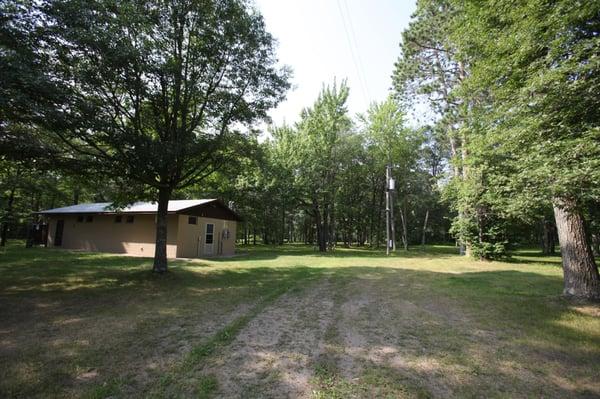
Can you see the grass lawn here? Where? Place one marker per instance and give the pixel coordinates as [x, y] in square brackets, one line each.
[288, 322]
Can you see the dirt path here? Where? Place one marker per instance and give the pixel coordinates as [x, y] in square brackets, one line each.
[328, 337]
[373, 333]
[363, 335]
[380, 339]
[273, 355]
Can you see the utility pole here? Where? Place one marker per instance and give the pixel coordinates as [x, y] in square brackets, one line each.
[392, 184]
[390, 242]
[387, 210]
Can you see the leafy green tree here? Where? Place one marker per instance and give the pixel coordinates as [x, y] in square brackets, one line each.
[314, 152]
[27, 186]
[534, 79]
[146, 92]
[429, 71]
[391, 143]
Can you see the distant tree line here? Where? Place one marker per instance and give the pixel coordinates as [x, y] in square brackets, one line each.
[321, 181]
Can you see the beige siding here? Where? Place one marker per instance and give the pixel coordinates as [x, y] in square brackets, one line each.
[104, 235]
[191, 238]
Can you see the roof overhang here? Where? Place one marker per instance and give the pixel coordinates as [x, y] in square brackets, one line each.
[210, 207]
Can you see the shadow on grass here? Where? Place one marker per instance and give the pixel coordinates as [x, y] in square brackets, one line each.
[532, 256]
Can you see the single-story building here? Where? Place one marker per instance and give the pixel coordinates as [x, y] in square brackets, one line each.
[196, 228]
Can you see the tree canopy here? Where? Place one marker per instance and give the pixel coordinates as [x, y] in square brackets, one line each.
[148, 93]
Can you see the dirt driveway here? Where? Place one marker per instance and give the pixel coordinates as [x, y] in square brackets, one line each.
[385, 333]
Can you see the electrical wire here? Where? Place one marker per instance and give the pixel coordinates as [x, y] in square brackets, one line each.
[352, 53]
[353, 35]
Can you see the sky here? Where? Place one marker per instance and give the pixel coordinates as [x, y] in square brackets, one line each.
[323, 40]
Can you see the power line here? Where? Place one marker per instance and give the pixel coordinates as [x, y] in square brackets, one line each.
[353, 35]
[358, 72]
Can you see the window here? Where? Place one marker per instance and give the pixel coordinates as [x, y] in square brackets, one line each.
[118, 218]
[209, 233]
[129, 219]
[192, 220]
[89, 219]
[80, 219]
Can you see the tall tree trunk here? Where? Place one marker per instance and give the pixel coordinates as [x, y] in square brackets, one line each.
[425, 228]
[160, 252]
[466, 247]
[404, 229]
[379, 218]
[320, 235]
[324, 229]
[547, 239]
[282, 223]
[480, 230]
[332, 232]
[320, 230]
[7, 217]
[581, 279]
[405, 225]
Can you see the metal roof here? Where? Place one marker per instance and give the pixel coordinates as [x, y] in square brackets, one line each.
[136, 207]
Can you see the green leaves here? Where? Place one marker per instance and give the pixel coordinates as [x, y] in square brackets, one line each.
[149, 90]
[537, 64]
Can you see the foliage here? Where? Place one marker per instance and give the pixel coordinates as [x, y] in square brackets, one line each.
[152, 94]
[534, 69]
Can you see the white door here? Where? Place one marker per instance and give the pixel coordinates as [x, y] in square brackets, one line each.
[209, 239]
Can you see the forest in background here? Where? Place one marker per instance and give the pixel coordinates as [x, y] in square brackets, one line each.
[511, 156]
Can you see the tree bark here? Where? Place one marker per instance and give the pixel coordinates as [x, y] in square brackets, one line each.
[547, 237]
[7, 218]
[325, 228]
[405, 225]
[425, 228]
[332, 227]
[321, 241]
[379, 218]
[581, 279]
[282, 224]
[160, 252]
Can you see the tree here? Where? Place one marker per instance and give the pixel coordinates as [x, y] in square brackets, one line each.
[147, 92]
[390, 142]
[533, 82]
[314, 152]
[430, 70]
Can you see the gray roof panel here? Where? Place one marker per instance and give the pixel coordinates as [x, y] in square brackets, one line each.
[136, 207]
